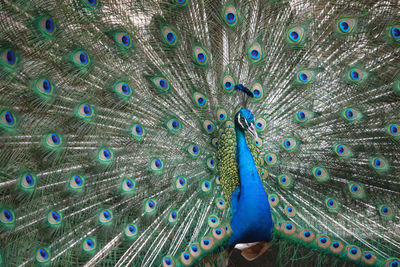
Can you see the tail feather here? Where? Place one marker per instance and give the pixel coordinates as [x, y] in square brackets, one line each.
[112, 113]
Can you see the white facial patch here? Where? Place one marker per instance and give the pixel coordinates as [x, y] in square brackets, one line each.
[240, 121]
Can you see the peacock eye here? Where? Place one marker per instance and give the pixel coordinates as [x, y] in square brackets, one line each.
[43, 255]
[105, 155]
[127, 186]
[395, 32]
[7, 119]
[200, 56]
[8, 58]
[123, 90]
[255, 52]
[161, 83]
[131, 231]
[296, 35]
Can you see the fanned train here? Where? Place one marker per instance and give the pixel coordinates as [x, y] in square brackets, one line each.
[168, 132]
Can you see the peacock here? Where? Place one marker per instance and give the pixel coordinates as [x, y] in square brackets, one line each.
[168, 132]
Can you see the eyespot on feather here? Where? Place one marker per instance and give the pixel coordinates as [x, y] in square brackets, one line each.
[379, 164]
[345, 25]
[7, 120]
[207, 243]
[221, 115]
[320, 174]
[156, 166]
[332, 204]
[255, 52]
[353, 253]
[273, 200]
[123, 90]
[181, 183]
[76, 183]
[137, 131]
[290, 211]
[323, 241]
[130, 231]
[9, 58]
[53, 141]
[219, 233]
[105, 155]
[307, 235]
[289, 144]
[342, 151]
[174, 125]
[295, 35]
[105, 217]
[195, 250]
[199, 100]
[228, 83]
[173, 217]
[285, 181]
[168, 261]
[127, 186]
[336, 247]
[213, 221]
[288, 228]
[221, 203]
[27, 182]
[169, 36]
[186, 259]
[258, 91]
[123, 39]
[181, 3]
[302, 116]
[89, 245]
[81, 59]
[150, 206]
[356, 190]
[7, 217]
[208, 126]
[200, 56]
[47, 26]
[271, 159]
[54, 218]
[206, 186]
[42, 255]
[231, 16]
[369, 258]
[161, 83]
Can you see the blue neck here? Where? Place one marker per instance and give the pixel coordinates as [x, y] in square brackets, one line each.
[248, 173]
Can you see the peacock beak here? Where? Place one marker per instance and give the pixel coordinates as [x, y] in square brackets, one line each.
[252, 131]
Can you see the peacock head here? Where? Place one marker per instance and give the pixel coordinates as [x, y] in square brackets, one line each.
[244, 121]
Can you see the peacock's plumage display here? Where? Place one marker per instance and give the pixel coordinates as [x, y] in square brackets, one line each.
[167, 132]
